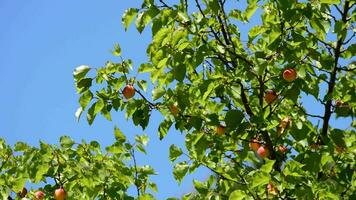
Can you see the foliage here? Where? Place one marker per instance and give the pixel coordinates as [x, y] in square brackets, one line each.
[83, 169]
[206, 73]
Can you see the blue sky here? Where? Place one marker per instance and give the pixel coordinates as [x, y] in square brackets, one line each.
[41, 42]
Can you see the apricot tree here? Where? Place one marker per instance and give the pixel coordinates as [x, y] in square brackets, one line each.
[235, 92]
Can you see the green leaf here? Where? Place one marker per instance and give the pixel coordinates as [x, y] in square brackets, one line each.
[142, 139]
[145, 17]
[233, 118]
[200, 187]
[268, 166]
[164, 128]
[146, 197]
[140, 148]
[146, 170]
[330, 1]
[80, 72]
[254, 32]
[116, 148]
[21, 146]
[239, 195]
[272, 36]
[66, 142]
[260, 178]
[237, 14]
[293, 168]
[174, 152]
[153, 187]
[117, 50]
[106, 112]
[142, 84]
[251, 9]
[40, 171]
[19, 184]
[119, 136]
[85, 99]
[90, 114]
[84, 84]
[179, 72]
[146, 67]
[158, 93]
[128, 16]
[98, 106]
[180, 170]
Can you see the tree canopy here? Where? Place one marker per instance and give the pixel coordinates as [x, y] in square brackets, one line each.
[238, 99]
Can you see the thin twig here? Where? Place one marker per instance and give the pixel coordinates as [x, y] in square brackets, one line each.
[136, 172]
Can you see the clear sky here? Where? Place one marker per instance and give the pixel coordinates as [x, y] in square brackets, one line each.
[41, 42]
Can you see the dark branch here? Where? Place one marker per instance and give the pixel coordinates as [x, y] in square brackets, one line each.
[332, 82]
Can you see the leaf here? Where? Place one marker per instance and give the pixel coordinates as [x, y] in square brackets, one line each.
[209, 90]
[19, 184]
[145, 17]
[84, 84]
[233, 118]
[268, 166]
[90, 114]
[260, 178]
[330, 1]
[40, 171]
[200, 187]
[142, 84]
[238, 195]
[66, 142]
[146, 197]
[128, 16]
[174, 152]
[179, 72]
[293, 168]
[106, 112]
[140, 148]
[98, 106]
[80, 72]
[117, 50]
[85, 99]
[116, 148]
[272, 36]
[180, 170]
[146, 169]
[119, 136]
[164, 128]
[142, 139]
[21, 146]
[237, 14]
[153, 187]
[157, 93]
[254, 32]
[146, 67]
[78, 113]
[251, 9]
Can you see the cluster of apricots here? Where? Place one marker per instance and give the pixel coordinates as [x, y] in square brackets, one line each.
[289, 75]
[59, 194]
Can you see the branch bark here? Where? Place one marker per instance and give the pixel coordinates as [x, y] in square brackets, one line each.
[332, 82]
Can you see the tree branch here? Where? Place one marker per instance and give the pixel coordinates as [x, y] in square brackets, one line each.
[152, 105]
[136, 172]
[165, 4]
[245, 101]
[331, 84]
